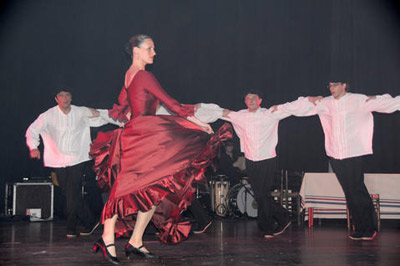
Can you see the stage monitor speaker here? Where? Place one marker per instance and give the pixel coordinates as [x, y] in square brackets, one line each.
[34, 199]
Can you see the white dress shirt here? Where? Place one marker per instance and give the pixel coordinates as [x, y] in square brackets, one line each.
[258, 131]
[348, 122]
[66, 137]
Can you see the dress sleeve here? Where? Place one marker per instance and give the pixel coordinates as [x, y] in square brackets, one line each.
[151, 84]
[120, 110]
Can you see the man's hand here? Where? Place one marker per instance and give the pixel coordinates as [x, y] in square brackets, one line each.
[94, 112]
[370, 98]
[315, 99]
[274, 108]
[35, 154]
[226, 112]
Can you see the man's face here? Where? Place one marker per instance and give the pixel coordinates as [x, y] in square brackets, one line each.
[337, 89]
[229, 148]
[63, 99]
[252, 102]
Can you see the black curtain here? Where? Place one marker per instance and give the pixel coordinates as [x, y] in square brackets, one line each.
[207, 51]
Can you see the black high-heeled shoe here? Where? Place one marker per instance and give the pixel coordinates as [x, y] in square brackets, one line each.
[107, 256]
[129, 249]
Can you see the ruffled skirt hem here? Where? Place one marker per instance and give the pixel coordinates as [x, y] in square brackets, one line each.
[171, 195]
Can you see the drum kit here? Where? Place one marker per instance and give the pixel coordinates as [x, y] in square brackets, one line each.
[232, 201]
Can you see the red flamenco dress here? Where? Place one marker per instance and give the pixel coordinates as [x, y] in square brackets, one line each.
[153, 160]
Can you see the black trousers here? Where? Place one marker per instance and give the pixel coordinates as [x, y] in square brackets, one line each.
[199, 213]
[261, 175]
[70, 181]
[350, 175]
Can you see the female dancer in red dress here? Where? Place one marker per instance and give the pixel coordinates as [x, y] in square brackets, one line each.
[154, 160]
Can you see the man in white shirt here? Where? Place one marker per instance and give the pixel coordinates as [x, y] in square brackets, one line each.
[65, 130]
[347, 122]
[257, 129]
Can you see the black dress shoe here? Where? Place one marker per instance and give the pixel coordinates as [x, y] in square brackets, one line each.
[269, 234]
[202, 228]
[369, 235]
[107, 256]
[281, 228]
[355, 236]
[71, 234]
[129, 249]
[89, 230]
[363, 236]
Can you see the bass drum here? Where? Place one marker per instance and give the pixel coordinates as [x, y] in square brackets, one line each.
[240, 200]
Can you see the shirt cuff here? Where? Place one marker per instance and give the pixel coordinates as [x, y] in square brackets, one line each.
[208, 112]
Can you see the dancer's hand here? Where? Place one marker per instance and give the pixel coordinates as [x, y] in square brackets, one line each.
[35, 154]
[207, 128]
[94, 112]
[225, 113]
[370, 98]
[315, 99]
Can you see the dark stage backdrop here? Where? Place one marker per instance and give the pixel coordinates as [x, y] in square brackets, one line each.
[208, 51]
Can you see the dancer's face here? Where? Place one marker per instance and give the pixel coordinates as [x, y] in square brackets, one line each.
[337, 89]
[63, 99]
[252, 102]
[146, 51]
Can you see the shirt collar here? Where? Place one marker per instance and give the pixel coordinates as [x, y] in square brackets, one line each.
[343, 97]
[59, 109]
[258, 110]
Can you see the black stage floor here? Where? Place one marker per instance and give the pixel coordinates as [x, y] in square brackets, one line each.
[226, 242]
